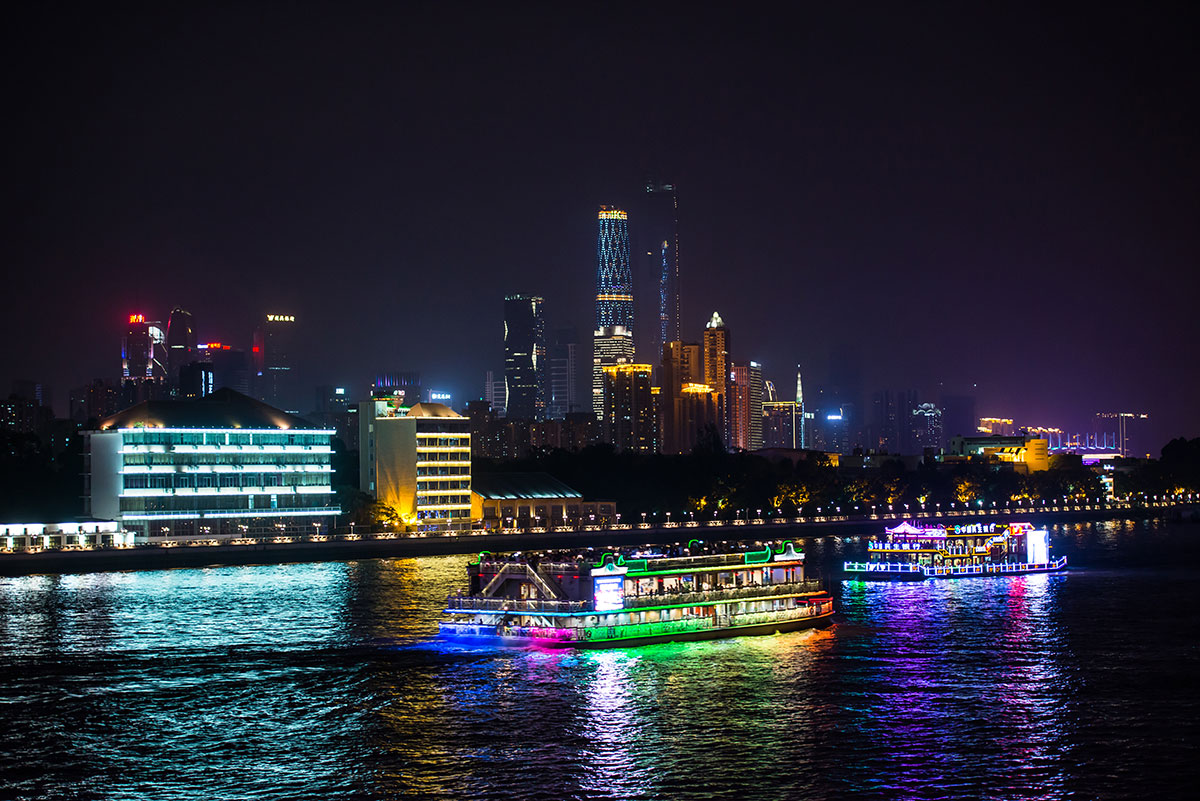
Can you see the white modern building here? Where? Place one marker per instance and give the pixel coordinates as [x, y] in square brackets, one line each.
[218, 467]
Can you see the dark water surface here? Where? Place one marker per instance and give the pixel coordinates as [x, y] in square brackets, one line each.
[322, 681]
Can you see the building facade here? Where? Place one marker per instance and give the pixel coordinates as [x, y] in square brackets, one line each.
[745, 414]
[525, 376]
[214, 468]
[417, 460]
[630, 420]
[610, 346]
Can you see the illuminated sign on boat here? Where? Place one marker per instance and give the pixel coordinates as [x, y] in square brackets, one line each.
[608, 593]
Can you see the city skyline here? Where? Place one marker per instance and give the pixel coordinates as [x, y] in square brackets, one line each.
[1020, 238]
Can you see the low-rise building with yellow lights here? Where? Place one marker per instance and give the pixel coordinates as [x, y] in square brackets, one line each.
[417, 460]
[1025, 453]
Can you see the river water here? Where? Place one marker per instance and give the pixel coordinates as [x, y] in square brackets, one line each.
[324, 681]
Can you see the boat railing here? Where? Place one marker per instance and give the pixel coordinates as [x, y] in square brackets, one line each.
[468, 603]
[700, 597]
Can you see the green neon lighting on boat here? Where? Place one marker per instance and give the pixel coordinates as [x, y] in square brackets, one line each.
[758, 557]
[698, 542]
[604, 558]
[481, 553]
[687, 571]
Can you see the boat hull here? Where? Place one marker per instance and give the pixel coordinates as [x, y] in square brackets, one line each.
[1017, 569]
[751, 630]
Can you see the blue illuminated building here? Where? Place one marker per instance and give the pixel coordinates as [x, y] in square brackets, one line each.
[614, 281]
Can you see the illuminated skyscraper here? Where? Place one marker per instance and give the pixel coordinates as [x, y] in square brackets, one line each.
[802, 439]
[630, 408]
[746, 405]
[659, 238]
[143, 361]
[611, 345]
[524, 357]
[716, 366]
[614, 281]
[613, 340]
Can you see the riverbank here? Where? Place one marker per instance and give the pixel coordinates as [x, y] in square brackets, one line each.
[158, 557]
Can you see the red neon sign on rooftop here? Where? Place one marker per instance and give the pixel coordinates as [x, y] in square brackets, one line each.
[137, 318]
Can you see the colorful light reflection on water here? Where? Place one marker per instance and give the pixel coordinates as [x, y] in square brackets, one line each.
[321, 681]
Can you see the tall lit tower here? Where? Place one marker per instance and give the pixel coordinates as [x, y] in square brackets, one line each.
[803, 438]
[613, 339]
[524, 357]
[143, 360]
[716, 367]
[660, 244]
[614, 281]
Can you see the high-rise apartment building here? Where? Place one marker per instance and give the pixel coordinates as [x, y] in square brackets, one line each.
[563, 356]
[659, 238]
[524, 357]
[745, 406]
[181, 345]
[611, 345]
[781, 424]
[493, 392]
[716, 367]
[630, 419]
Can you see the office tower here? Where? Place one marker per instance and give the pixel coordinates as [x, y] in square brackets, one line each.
[612, 342]
[883, 432]
[272, 351]
[143, 361]
[493, 392]
[417, 460]
[524, 357]
[802, 435]
[630, 408]
[610, 346]
[781, 424]
[614, 281]
[926, 427]
[745, 406]
[563, 398]
[716, 367]
[658, 234]
[227, 366]
[181, 345]
[218, 467]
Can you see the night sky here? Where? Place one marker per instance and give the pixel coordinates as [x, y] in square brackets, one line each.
[947, 196]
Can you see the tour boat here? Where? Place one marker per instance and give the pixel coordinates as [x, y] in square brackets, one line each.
[979, 549]
[620, 601]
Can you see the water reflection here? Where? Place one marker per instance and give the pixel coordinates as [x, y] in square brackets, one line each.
[323, 681]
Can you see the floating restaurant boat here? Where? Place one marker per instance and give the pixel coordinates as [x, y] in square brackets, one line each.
[979, 549]
[621, 601]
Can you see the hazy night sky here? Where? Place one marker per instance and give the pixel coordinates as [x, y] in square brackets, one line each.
[1003, 197]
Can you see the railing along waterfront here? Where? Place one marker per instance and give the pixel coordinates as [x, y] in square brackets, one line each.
[733, 593]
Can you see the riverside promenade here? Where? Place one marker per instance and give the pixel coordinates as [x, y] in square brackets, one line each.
[343, 547]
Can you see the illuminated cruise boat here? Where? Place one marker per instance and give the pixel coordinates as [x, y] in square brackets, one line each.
[620, 601]
[980, 549]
